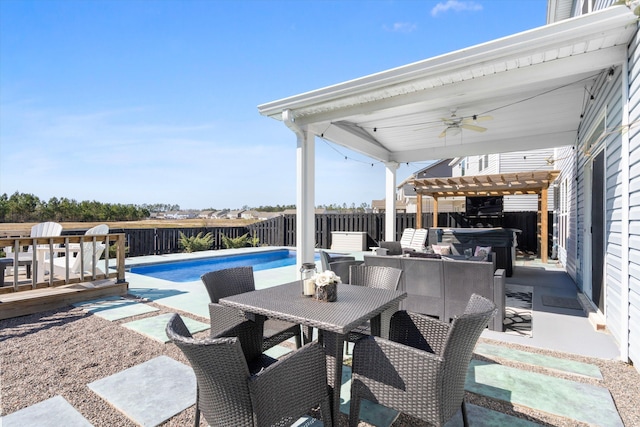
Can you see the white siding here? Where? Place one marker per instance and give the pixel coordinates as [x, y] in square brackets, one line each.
[523, 161]
[567, 250]
[608, 99]
[634, 203]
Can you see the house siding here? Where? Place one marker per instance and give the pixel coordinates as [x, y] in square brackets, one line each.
[520, 161]
[634, 203]
[621, 270]
[567, 249]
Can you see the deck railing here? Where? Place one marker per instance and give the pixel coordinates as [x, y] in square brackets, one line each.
[78, 265]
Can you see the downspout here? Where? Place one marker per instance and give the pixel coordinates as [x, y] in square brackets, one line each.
[624, 166]
[305, 191]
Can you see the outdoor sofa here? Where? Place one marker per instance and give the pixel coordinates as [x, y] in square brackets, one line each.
[441, 287]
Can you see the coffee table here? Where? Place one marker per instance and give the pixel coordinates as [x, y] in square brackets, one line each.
[354, 306]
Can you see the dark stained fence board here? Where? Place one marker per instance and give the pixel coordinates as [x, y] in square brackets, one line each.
[281, 231]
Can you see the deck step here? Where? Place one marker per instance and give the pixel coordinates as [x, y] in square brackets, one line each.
[36, 300]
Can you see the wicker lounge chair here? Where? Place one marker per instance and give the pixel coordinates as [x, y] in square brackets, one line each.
[421, 369]
[234, 392]
[238, 280]
[375, 276]
[326, 259]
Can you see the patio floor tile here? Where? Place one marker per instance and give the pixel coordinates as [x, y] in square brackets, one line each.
[154, 327]
[570, 399]
[550, 362]
[149, 393]
[52, 412]
[115, 308]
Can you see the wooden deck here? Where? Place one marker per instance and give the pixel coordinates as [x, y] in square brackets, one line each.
[31, 301]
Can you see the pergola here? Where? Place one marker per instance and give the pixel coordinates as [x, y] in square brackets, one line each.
[503, 184]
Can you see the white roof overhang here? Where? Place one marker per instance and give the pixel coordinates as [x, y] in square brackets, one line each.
[533, 84]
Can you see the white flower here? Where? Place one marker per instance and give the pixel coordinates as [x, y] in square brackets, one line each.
[327, 278]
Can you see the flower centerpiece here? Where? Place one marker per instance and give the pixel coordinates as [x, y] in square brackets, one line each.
[327, 286]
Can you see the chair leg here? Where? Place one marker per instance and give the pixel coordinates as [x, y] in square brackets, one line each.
[197, 421]
[298, 339]
[465, 420]
[354, 411]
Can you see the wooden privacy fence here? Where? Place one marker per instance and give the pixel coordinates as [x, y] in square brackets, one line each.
[281, 231]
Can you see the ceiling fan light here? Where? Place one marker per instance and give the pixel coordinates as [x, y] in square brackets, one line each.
[453, 131]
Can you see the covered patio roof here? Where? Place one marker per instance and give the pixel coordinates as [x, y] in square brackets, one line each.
[534, 85]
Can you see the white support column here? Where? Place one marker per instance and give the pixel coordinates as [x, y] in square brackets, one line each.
[390, 202]
[305, 192]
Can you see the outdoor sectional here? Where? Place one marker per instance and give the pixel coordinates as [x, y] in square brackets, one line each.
[442, 287]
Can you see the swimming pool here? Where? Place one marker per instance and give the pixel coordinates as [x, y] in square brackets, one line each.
[190, 270]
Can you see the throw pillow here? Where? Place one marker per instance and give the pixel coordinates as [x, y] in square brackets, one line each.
[482, 251]
[441, 249]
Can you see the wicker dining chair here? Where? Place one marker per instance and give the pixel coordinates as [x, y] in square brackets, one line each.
[234, 281]
[326, 259]
[421, 369]
[231, 391]
[375, 276]
[341, 268]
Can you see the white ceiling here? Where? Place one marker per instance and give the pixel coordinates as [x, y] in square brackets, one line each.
[532, 84]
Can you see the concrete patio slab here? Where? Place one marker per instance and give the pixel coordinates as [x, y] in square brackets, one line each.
[149, 393]
[570, 399]
[483, 417]
[154, 327]
[115, 308]
[191, 297]
[549, 362]
[52, 412]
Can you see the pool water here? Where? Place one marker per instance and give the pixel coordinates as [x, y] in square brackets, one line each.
[190, 270]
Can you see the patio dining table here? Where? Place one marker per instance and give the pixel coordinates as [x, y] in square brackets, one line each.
[354, 306]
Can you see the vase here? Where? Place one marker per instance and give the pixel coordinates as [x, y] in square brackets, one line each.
[327, 293]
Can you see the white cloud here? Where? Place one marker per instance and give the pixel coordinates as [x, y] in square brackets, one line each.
[456, 6]
[401, 27]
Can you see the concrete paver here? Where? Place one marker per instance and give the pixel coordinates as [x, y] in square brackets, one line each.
[150, 393]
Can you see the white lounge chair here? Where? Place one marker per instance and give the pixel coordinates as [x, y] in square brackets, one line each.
[419, 239]
[86, 252]
[407, 237]
[43, 229]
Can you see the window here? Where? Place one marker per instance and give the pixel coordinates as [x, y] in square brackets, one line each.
[483, 162]
[563, 214]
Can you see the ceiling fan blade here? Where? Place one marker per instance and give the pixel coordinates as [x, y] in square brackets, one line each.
[473, 127]
[444, 133]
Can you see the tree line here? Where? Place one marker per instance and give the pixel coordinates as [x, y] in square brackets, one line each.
[23, 207]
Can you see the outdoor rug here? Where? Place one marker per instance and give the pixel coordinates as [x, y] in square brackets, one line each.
[561, 302]
[518, 318]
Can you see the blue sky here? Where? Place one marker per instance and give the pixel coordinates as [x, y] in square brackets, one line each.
[154, 101]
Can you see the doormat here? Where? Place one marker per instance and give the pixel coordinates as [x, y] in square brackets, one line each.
[518, 318]
[561, 302]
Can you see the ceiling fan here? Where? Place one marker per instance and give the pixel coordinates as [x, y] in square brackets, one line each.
[455, 124]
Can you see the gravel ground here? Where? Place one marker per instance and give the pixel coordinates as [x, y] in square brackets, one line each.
[60, 352]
